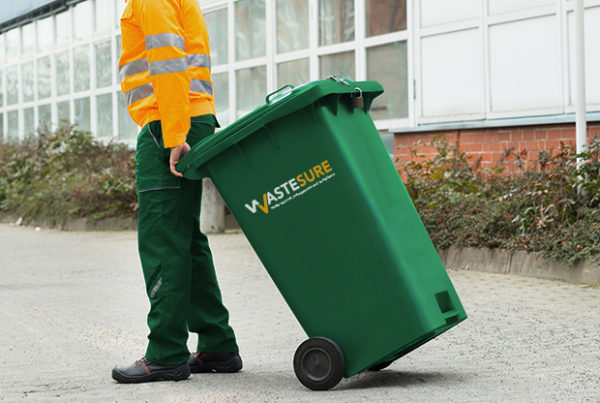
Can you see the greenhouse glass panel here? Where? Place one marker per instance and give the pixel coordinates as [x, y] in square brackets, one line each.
[63, 83]
[336, 21]
[216, 22]
[251, 86]
[292, 25]
[82, 114]
[339, 64]
[387, 64]
[104, 115]
[44, 86]
[250, 29]
[103, 64]
[81, 67]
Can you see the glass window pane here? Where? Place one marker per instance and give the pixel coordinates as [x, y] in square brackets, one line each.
[62, 110]
[104, 115]
[105, 15]
[336, 21]
[62, 28]
[13, 39]
[43, 78]
[28, 39]
[44, 117]
[340, 65]
[45, 36]
[294, 72]
[216, 22]
[82, 20]
[221, 86]
[127, 128]
[27, 81]
[103, 64]
[250, 31]
[12, 85]
[63, 84]
[82, 114]
[387, 64]
[118, 80]
[251, 86]
[292, 25]
[2, 50]
[12, 121]
[81, 67]
[28, 122]
[385, 16]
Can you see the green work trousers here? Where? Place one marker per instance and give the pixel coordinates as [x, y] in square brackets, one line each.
[176, 259]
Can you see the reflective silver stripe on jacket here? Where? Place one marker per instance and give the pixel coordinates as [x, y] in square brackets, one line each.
[141, 65]
[199, 60]
[162, 40]
[137, 93]
[134, 67]
[201, 86]
[168, 66]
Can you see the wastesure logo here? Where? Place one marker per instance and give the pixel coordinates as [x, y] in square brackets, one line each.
[292, 188]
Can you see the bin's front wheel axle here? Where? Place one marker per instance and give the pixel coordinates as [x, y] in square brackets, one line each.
[319, 363]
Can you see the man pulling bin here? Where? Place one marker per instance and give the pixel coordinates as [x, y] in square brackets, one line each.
[165, 78]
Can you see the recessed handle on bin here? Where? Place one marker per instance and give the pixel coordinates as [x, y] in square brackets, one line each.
[269, 99]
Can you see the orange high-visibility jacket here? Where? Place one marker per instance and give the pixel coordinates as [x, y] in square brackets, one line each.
[165, 65]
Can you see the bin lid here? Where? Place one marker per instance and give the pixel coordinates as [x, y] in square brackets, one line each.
[278, 104]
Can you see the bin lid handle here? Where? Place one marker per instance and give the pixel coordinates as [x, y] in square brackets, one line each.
[269, 99]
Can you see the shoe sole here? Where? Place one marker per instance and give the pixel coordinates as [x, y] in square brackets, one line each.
[234, 364]
[178, 374]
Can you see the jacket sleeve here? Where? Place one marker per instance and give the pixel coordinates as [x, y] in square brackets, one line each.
[162, 25]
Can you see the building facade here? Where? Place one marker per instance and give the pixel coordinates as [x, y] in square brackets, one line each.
[447, 67]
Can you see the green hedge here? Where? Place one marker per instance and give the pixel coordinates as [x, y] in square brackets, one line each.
[54, 177]
[549, 205]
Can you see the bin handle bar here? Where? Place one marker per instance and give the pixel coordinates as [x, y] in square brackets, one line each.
[269, 99]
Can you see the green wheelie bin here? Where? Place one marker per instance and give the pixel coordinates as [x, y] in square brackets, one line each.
[314, 190]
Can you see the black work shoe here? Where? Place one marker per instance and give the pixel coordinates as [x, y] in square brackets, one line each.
[144, 370]
[215, 362]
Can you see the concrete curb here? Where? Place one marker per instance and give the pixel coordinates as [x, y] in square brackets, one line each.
[529, 264]
[78, 224]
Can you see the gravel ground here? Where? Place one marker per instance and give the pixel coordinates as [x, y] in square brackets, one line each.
[73, 305]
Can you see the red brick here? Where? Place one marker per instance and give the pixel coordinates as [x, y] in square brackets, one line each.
[528, 134]
[541, 134]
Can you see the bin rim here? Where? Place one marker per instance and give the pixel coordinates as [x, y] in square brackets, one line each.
[285, 103]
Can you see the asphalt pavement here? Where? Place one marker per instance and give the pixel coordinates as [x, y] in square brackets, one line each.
[73, 305]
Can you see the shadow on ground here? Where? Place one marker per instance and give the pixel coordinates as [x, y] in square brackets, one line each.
[391, 378]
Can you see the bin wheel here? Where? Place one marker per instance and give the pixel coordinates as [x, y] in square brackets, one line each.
[380, 366]
[319, 363]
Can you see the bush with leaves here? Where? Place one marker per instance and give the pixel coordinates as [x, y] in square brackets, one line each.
[550, 205]
[65, 174]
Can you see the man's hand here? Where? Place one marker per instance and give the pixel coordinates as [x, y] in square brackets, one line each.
[177, 154]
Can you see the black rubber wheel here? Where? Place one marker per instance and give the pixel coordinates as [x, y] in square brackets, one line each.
[380, 366]
[319, 363]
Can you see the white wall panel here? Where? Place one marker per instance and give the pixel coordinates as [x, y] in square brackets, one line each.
[525, 65]
[452, 74]
[507, 6]
[439, 12]
[592, 56]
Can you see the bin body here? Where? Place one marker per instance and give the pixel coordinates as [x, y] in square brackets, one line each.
[324, 208]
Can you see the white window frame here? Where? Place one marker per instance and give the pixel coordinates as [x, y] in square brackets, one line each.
[95, 37]
[560, 10]
[359, 46]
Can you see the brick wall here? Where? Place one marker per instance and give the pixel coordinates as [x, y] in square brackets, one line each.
[489, 144]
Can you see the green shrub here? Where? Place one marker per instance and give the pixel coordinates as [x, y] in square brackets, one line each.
[66, 174]
[550, 205]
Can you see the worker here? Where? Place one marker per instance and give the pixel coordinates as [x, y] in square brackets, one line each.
[165, 78]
